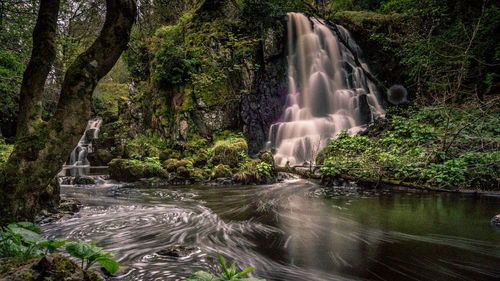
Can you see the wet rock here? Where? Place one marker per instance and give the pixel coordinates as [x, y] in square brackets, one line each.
[83, 180]
[495, 221]
[70, 205]
[176, 251]
[66, 209]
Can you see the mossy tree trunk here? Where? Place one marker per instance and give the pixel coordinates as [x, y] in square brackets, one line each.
[42, 147]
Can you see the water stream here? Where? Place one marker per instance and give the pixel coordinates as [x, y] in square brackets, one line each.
[78, 164]
[289, 231]
[328, 92]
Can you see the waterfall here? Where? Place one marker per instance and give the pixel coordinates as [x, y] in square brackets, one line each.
[328, 92]
[78, 164]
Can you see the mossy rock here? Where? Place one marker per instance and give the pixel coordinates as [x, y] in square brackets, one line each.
[168, 154]
[222, 171]
[201, 158]
[182, 172]
[229, 152]
[56, 267]
[104, 156]
[132, 170]
[266, 157]
[198, 175]
[170, 165]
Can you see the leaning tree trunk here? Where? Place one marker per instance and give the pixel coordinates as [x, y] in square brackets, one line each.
[39, 154]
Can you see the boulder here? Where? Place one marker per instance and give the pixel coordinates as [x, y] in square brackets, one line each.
[83, 180]
[495, 221]
[176, 251]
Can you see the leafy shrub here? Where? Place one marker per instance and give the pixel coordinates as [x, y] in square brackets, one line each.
[23, 240]
[90, 254]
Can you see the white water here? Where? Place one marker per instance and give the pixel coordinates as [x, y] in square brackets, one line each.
[78, 164]
[326, 92]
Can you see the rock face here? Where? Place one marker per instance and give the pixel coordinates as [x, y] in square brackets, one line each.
[264, 104]
[495, 221]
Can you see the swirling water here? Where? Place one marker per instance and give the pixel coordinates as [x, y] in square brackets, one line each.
[289, 231]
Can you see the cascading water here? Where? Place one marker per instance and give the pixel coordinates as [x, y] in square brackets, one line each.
[78, 164]
[328, 92]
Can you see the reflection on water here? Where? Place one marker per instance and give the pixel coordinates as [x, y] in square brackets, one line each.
[290, 231]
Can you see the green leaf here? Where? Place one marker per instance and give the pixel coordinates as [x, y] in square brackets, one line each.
[223, 264]
[52, 245]
[81, 250]
[29, 226]
[110, 265]
[203, 276]
[232, 270]
[26, 235]
[244, 272]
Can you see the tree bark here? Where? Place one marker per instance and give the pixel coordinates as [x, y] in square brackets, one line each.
[39, 156]
[42, 57]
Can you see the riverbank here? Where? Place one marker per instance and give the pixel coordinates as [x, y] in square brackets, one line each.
[431, 148]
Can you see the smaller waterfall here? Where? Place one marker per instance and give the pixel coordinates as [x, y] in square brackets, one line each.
[328, 92]
[78, 164]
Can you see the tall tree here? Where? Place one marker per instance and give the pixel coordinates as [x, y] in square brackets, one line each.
[42, 147]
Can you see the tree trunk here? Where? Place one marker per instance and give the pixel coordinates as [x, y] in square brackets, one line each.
[39, 156]
[42, 57]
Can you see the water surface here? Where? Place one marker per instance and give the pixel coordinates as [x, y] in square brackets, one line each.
[289, 231]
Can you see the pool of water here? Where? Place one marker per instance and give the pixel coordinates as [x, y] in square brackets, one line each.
[294, 230]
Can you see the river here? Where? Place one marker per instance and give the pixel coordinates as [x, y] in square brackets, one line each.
[293, 230]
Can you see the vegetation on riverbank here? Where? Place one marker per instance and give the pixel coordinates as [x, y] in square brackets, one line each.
[435, 147]
[200, 161]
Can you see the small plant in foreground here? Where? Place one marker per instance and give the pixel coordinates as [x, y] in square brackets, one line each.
[90, 254]
[23, 240]
[227, 274]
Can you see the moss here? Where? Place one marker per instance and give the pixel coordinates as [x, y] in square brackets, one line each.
[132, 170]
[170, 165]
[9, 266]
[201, 158]
[5, 151]
[182, 172]
[198, 175]
[222, 171]
[107, 96]
[168, 154]
[266, 157]
[229, 152]
[64, 268]
[26, 275]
